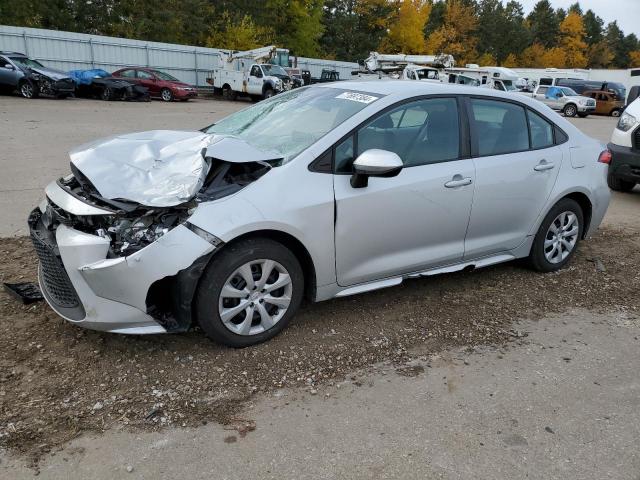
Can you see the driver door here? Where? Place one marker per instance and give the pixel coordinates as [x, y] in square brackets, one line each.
[255, 80]
[418, 219]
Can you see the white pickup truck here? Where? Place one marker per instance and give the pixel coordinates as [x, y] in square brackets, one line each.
[259, 81]
[564, 99]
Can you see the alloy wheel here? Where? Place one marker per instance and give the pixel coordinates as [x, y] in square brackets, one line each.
[27, 90]
[561, 237]
[166, 95]
[255, 297]
[570, 111]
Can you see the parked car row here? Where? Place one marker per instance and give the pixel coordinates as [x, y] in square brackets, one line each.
[31, 79]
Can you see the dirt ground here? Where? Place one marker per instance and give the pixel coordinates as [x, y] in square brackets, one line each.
[58, 381]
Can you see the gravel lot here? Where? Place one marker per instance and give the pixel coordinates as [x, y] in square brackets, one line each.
[58, 382]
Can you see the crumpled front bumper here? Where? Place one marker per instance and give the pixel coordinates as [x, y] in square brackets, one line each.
[108, 294]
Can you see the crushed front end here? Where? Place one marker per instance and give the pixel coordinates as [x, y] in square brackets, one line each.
[102, 262]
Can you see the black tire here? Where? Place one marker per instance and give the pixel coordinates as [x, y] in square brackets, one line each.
[268, 93]
[29, 89]
[166, 95]
[618, 184]
[228, 93]
[583, 115]
[537, 259]
[107, 94]
[616, 112]
[218, 271]
[570, 110]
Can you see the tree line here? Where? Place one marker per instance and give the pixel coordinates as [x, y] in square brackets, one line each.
[487, 32]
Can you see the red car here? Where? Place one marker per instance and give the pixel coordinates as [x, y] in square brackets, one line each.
[160, 84]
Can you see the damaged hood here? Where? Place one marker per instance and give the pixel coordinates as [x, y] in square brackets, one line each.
[160, 168]
[54, 75]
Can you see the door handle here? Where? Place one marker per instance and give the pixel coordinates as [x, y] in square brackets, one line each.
[543, 165]
[458, 181]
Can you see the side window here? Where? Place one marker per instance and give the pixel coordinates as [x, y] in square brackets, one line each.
[255, 71]
[144, 75]
[541, 131]
[500, 127]
[421, 132]
[128, 73]
[3, 61]
[543, 90]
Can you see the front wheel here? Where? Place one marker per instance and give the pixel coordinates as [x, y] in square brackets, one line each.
[166, 95]
[268, 93]
[107, 94]
[570, 110]
[249, 292]
[28, 89]
[558, 237]
[616, 113]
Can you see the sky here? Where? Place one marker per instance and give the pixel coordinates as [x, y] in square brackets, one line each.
[626, 12]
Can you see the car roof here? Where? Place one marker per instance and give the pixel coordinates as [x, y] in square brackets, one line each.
[412, 88]
[15, 54]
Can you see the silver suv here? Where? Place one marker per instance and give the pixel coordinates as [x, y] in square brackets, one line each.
[323, 191]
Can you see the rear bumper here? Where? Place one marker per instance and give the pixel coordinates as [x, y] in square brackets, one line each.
[625, 163]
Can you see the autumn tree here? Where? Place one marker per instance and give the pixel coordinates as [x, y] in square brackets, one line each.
[457, 34]
[572, 42]
[406, 30]
[532, 56]
[242, 34]
[634, 58]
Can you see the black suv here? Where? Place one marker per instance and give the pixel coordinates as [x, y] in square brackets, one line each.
[31, 78]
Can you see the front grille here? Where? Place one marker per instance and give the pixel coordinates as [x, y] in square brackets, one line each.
[54, 277]
[636, 139]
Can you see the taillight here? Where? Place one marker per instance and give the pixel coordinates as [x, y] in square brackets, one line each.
[605, 157]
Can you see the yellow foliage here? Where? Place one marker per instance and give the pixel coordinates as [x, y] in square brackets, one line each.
[511, 61]
[242, 35]
[405, 33]
[600, 55]
[554, 57]
[456, 36]
[572, 42]
[634, 57]
[531, 57]
[487, 60]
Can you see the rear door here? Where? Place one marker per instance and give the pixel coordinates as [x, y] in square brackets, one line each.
[517, 163]
[417, 219]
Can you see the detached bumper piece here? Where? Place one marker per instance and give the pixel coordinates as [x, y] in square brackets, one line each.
[54, 280]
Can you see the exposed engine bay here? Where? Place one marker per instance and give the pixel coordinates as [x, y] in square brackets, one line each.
[132, 226]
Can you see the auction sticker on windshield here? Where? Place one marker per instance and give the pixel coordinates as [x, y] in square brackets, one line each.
[357, 97]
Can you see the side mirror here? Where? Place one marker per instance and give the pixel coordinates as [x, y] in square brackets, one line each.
[8, 66]
[374, 163]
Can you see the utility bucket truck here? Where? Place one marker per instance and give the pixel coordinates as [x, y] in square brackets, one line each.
[499, 78]
[254, 73]
[404, 67]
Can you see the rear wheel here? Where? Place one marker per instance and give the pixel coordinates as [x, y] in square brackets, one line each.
[249, 292]
[107, 94]
[570, 110]
[558, 237]
[618, 184]
[228, 93]
[616, 112]
[28, 89]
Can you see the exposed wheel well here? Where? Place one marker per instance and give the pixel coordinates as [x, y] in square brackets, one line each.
[298, 249]
[585, 204]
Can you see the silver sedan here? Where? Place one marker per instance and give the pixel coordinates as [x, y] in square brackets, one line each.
[323, 192]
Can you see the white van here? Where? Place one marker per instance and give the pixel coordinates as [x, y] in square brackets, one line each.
[624, 170]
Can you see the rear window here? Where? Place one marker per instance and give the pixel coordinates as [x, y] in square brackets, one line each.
[501, 127]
